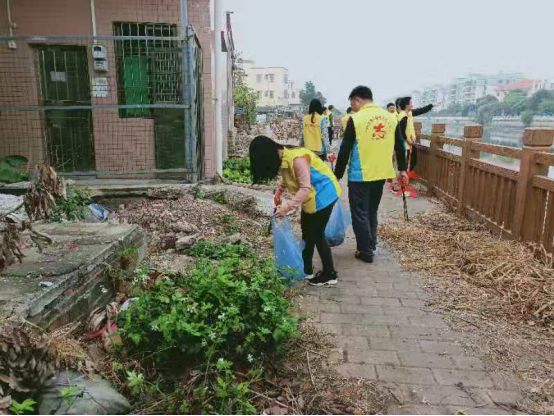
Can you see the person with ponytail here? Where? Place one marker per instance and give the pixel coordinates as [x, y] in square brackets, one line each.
[315, 135]
[313, 187]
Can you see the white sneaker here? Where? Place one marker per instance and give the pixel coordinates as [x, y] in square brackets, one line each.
[309, 276]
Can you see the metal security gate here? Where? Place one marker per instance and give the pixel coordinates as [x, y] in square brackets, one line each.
[64, 81]
[124, 105]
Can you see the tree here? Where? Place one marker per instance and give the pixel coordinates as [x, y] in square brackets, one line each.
[309, 93]
[546, 106]
[534, 102]
[527, 118]
[245, 98]
[515, 102]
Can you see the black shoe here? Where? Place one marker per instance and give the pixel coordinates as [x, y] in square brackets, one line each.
[367, 258]
[322, 279]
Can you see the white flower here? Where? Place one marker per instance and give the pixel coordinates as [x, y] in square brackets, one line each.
[250, 358]
[221, 316]
[267, 308]
[221, 361]
[212, 335]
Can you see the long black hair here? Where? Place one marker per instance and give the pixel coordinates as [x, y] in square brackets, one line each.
[264, 159]
[404, 102]
[315, 107]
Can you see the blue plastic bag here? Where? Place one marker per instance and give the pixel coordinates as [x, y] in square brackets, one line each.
[287, 250]
[340, 219]
[98, 213]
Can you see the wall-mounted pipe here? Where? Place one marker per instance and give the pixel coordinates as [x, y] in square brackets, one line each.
[93, 18]
[9, 13]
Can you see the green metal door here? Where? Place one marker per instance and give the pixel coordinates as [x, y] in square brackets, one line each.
[64, 82]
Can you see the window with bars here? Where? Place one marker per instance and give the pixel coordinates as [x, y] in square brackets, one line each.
[148, 70]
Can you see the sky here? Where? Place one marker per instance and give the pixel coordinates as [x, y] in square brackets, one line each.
[393, 47]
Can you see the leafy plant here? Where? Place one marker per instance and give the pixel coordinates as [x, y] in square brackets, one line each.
[246, 99]
[208, 250]
[12, 169]
[69, 394]
[135, 381]
[230, 225]
[237, 170]
[27, 406]
[73, 207]
[234, 310]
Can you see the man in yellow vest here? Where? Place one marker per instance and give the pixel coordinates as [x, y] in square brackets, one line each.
[367, 148]
[345, 119]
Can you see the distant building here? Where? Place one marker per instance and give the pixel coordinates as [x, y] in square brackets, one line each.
[529, 86]
[467, 90]
[272, 84]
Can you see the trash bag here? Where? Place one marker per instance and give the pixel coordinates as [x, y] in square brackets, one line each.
[339, 221]
[97, 213]
[287, 250]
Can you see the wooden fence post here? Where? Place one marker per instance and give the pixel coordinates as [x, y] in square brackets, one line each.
[534, 140]
[437, 130]
[472, 134]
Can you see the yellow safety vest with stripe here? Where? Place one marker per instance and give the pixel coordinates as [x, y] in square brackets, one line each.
[344, 121]
[313, 139]
[410, 128]
[325, 187]
[371, 158]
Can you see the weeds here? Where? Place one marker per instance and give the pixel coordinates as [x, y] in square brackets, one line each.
[229, 222]
[237, 170]
[73, 207]
[230, 318]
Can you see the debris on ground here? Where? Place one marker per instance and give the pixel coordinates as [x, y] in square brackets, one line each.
[307, 383]
[494, 289]
[287, 130]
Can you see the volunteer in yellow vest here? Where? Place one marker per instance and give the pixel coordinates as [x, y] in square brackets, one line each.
[367, 148]
[315, 135]
[330, 123]
[345, 119]
[406, 129]
[313, 187]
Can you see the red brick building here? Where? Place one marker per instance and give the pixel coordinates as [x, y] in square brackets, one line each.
[108, 87]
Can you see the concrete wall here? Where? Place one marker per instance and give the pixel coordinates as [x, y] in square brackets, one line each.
[121, 144]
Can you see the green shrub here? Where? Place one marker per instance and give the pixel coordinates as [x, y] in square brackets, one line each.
[12, 169]
[73, 207]
[235, 310]
[208, 250]
[237, 170]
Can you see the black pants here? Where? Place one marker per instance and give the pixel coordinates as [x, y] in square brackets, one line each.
[365, 198]
[313, 234]
[330, 130]
[412, 157]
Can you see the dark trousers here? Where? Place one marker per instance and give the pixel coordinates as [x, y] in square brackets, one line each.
[330, 130]
[313, 234]
[412, 157]
[365, 198]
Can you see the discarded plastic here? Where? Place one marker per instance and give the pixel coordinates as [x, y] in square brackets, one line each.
[340, 219]
[287, 250]
[99, 213]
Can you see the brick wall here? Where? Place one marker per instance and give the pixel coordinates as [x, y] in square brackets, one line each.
[120, 143]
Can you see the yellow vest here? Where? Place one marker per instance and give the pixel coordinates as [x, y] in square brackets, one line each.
[325, 187]
[371, 158]
[313, 139]
[344, 121]
[410, 128]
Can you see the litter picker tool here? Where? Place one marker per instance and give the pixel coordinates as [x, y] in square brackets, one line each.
[404, 201]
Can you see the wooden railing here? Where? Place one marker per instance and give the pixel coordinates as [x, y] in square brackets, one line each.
[516, 202]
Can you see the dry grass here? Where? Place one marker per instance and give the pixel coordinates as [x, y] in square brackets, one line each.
[494, 290]
[512, 282]
[307, 383]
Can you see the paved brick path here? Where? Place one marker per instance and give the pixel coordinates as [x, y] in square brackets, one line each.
[385, 333]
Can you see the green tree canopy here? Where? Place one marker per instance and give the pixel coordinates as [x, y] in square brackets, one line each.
[246, 99]
[308, 93]
[515, 102]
